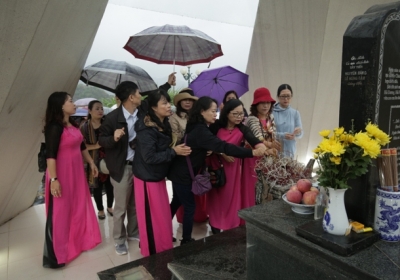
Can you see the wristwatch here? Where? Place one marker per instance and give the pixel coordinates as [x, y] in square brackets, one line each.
[53, 179]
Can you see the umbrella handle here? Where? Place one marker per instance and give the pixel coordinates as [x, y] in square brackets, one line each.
[173, 70]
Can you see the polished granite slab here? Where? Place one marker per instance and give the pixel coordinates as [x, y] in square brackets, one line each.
[342, 245]
[220, 256]
[272, 244]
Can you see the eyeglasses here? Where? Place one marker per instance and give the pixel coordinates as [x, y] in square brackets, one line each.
[285, 97]
[238, 115]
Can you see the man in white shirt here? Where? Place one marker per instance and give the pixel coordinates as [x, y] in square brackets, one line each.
[117, 135]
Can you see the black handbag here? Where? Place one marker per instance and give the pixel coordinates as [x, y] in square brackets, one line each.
[217, 176]
[42, 162]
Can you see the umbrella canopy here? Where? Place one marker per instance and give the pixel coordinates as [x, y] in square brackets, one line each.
[216, 82]
[81, 112]
[173, 44]
[83, 102]
[108, 74]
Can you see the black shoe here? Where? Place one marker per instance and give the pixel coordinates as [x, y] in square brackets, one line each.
[173, 239]
[110, 213]
[215, 230]
[101, 216]
[185, 241]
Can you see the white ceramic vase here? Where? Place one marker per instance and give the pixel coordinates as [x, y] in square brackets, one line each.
[335, 219]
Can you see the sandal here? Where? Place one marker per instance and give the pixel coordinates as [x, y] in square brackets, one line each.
[101, 216]
[110, 212]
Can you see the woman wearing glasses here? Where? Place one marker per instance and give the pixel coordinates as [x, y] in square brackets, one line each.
[261, 123]
[287, 120]
[224, 202]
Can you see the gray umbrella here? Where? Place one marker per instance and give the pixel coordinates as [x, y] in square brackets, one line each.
[108, 73]
[173, 44]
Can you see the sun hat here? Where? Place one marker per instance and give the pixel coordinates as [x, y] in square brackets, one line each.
[185, 93]
[262, 95]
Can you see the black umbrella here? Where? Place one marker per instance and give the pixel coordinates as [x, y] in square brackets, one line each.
[108, 74]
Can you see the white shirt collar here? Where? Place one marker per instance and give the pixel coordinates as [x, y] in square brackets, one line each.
[127, 114]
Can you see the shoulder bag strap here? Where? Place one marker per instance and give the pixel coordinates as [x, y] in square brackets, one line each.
[189, 163]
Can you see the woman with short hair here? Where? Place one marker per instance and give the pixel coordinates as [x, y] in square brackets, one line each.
[154, 152]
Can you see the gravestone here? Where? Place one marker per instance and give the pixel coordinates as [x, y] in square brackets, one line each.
[370, 90]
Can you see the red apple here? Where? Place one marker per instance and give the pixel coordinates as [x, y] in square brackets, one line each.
[304, 185]
[294, 196]
[309, 197]
[294, 188]
[314, 189]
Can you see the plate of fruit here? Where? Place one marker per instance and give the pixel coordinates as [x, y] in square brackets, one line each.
[301, 197]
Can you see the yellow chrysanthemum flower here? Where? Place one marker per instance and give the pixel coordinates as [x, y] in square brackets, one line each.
[378, 134]
[339, 131]
[325, 133]
[336, 160]
[332, 146]
[316, 150]
[347, 139]
[370, 146]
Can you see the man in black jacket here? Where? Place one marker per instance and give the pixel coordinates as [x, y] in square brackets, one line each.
[117, 136]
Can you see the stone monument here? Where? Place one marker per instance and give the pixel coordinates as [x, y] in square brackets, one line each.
[370, 91]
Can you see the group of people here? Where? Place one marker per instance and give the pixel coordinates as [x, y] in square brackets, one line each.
[143, 143]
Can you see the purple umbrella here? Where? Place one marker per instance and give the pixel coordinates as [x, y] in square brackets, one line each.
[216, 82]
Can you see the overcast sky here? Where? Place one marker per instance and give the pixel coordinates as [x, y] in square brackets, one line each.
[229, 22]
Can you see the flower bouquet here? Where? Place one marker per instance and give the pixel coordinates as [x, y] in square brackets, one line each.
[345, 155]
[342, 156]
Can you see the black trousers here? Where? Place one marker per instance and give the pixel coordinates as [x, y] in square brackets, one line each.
[49, 256]
[183, 195]
[98, 194]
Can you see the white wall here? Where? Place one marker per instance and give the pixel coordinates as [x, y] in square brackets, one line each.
[299, 42]
[43, 47]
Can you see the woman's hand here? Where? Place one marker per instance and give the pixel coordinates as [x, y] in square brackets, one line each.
[182, 150]
[289, 136]
[297, 131]
[267, 144]
[260, 150]
[271, 152]
[118, 133]
[55, 188]
[276, 145]
[172, 79]
[94, 169]
[228, 158]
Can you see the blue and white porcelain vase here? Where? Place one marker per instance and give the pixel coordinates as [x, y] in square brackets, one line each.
[387, 215]
[335, 219]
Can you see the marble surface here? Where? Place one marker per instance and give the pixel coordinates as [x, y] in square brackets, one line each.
[221, 256]
[277, 222]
